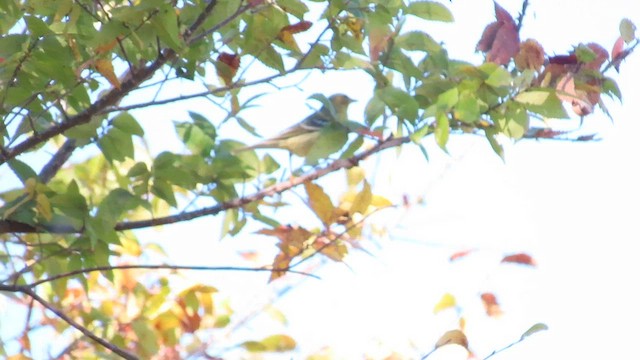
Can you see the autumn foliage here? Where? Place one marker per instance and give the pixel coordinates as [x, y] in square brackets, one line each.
[89, 88]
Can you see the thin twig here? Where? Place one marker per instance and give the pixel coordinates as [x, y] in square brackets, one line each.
[156, 267]
[523, 11]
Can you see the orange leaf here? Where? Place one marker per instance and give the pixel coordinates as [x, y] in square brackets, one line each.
[105, 68]
[491, 304]
[460, 254]
[521, 258]
[105, 48]
[298, 27]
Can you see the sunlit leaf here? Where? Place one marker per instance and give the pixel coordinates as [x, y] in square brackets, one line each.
[534, 329]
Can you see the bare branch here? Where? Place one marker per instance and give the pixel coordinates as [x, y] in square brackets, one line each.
[523, 11]
[57, 161]
[156, 267]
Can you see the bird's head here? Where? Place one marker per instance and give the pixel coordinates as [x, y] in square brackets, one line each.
[340, 104]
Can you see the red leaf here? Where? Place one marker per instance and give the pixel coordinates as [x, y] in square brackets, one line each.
[500, 39]
[520, 258]
[618, 53]
[502, 15]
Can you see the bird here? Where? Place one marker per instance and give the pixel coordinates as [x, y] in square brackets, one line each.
[300, 138]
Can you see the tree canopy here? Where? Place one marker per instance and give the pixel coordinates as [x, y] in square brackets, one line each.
[79, 178]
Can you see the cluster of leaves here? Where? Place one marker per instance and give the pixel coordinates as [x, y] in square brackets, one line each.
[65, 67]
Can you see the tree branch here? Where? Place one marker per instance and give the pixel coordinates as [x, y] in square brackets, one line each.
[57, 161]
[156, 267]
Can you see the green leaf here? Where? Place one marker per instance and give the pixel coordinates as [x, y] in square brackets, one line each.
[128, 124]
[495, 145]
[22, 170]
[401, 104]
[500, 77]
[430, 10]
[373, 110]
[279, 343]
[296, 8]
[199, 136]
[448, 99]
[36, 26]
[116, 145]
[441, 131]
[542, 101]
[534, 329]
[165, 22]
[512, 121]
[627, 30]
[468, 108]
[164, 191]
[584, 53]
[332, 138]
[417, 41]
[610, 87]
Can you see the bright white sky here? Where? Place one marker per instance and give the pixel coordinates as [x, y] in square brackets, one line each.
[572, 206]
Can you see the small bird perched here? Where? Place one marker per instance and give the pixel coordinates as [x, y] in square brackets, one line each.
[300, 138]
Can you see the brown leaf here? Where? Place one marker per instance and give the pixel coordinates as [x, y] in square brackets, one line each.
[520, 258]
[491, 304]
[530, 56]
[334, 249]
[453, 337]
[280, 266]
[500, 39]
[289, 235]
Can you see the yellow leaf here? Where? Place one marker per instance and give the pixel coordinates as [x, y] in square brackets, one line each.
[456, 337]
[44, 206]
[319, 202]
[356, 26]
[362, 200]
[380, 201]
[355, 175]
[447, 301]
[286, 37]
[105, 68]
